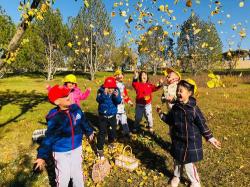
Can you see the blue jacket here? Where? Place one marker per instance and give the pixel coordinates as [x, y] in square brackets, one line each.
[187, 128]
[107, 103]
[65, 131]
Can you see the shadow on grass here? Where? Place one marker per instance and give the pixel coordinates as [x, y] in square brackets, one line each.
[25, 100]
[22, 178]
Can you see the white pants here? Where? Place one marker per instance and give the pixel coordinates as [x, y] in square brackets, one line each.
[122, 118]
[147, 111]
[191, 171]
[69, 165]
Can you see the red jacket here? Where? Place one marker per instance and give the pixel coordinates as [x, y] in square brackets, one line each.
[144, 91]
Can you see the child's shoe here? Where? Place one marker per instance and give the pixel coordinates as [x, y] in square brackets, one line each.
[197, 184]
[175, 181]
[100, 154]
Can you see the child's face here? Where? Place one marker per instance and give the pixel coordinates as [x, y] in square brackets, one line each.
[183, 94]
[119, 78]
[172, 77]
[63, 102]
[70, 85]
[144, 77]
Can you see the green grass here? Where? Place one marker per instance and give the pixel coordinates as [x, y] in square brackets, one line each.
[23, 105]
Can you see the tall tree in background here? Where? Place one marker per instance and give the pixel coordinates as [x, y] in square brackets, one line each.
[7, 30]
[92, 39]
[155, 48]
[199, 45]
[31, 55]
[54, 35]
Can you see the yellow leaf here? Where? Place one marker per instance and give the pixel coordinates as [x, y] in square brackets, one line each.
[129, 180]
[161, 8]
[69, 44]
[210, 84]
[86, 3]
[241, 4]
[79, 43]
[113, 14]
[105, 33]
[123, 13]
[196, 31]
[211, 75]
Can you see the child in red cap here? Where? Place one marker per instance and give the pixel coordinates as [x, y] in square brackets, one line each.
[66, 126]
[108, 97]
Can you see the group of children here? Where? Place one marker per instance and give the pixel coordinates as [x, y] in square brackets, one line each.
[67, 123]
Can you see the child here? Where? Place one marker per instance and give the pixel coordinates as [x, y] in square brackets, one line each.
[121, 115]
[66, 126]
[76, 95]
[108, 97]
[169, 90]
[143, 99]
[188, 127]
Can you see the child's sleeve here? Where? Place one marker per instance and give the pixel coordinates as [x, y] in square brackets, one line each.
[100, 96]
[84, 95]
[87, 129]
[201, 123]
[135, 82]
[117, 99]
[167, 118]
[51, 136]
[126, 97]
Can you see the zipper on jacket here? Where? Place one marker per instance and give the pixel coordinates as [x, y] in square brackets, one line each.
[185, 155]
[72, 128]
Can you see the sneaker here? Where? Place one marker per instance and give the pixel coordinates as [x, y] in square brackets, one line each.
[100, 154]
[175, 181]
[197, 184]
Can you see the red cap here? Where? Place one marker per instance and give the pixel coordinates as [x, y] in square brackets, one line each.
[110, 82]
[57, 92]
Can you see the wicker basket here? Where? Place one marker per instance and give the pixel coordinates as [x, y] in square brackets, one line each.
[100, 170]
[127, 161]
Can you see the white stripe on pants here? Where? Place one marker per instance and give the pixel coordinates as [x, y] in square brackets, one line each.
[191, 171]
[122, 118]
[147, 111]
[69, 165]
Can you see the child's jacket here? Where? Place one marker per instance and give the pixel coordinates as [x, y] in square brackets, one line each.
[65, 131]
[124, 96]
[77, 95]
[144, 91]
[187, 128]
[107, 103]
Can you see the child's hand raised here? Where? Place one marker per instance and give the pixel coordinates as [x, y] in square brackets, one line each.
[106, 91]
[115, 93]
[215, 143]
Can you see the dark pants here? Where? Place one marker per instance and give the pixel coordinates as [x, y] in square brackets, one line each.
[106, 125]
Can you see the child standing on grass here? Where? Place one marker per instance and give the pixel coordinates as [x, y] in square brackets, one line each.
[169, 90]
[188, 126]
[121, 115]
[144, 91]
[66, 126]
[76, 95]
[108, 98]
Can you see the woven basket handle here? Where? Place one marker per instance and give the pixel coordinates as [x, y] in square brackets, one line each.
[127, 147]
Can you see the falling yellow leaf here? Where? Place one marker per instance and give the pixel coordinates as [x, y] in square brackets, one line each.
[86, 3]
[123, 13]
[79, 43]
[161, 8]
[113, 14]
[242, 33]
[241, 4]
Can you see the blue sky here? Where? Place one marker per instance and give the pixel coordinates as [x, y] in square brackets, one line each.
[238, 16]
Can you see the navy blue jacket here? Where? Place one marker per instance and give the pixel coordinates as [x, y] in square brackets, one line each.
[65, 131]
[187, 128]
[107, 103]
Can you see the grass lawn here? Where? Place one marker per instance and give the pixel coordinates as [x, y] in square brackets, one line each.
[23, 106]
